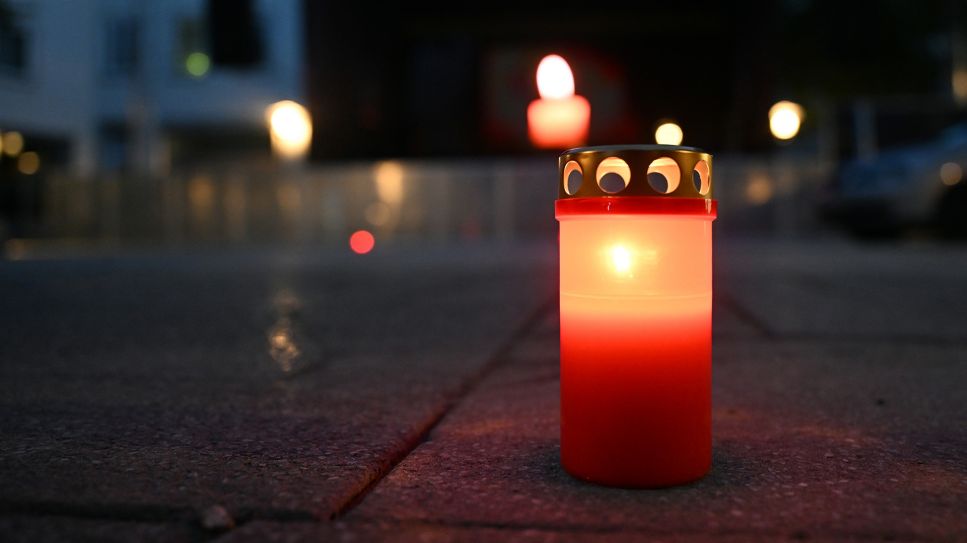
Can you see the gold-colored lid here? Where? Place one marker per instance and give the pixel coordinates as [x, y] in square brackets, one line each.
[645, 170]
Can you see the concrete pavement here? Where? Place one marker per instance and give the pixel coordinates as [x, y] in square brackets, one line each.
[413, 395]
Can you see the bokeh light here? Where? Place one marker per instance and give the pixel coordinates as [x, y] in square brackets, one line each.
[361, 242]
[290, 128]
[758, 189]
[13, 143]
[959, 84]
[389, 182]
[28, 163]
[951, 173]
[197, 64]
[201, 196]
[669, 134]
[785, 118]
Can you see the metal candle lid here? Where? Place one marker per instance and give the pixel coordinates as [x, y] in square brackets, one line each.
[635, 170]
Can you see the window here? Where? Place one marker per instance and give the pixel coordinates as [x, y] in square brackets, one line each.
[235, 34]
[114, 147]
[13, 41]
[121, 46]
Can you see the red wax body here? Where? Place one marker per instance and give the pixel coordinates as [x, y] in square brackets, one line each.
[636, 301]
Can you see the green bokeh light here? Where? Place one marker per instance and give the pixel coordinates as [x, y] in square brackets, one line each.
[197, 64]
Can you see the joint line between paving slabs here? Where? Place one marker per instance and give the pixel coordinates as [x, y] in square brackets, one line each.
[746, 315]
[495, 361]
[621, 532]
[117, 512]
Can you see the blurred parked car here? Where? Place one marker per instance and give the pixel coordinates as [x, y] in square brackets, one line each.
[922, 185]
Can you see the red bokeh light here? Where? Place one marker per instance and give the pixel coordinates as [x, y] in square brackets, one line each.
[361, 242]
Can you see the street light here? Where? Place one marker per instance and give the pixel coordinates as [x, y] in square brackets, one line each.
[785, 118]
[290, 128]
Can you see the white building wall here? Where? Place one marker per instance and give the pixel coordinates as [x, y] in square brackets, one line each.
[67, 91]
[56, 94]
[222, 96]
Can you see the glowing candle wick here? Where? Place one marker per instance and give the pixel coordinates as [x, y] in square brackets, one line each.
[621, 260]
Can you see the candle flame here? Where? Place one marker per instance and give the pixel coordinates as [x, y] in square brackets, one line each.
[554, 78]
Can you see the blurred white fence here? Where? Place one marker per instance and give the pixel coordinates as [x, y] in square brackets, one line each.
[399, 201]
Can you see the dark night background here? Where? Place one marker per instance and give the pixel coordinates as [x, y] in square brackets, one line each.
[415, 81]
[167, 101]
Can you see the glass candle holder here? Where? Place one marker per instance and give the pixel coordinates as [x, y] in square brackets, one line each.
[636, 306]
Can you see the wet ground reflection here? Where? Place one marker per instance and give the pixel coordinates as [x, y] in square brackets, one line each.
[286, 343]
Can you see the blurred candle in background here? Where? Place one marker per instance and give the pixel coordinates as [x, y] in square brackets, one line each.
[636, 303]
[559, 119]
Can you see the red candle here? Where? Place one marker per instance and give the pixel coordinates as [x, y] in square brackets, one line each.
[560, 118]
[636, 301]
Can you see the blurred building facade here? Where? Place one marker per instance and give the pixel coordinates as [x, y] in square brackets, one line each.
[106, 85]
[145, 120]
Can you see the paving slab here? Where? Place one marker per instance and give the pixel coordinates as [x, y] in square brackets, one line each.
[138, 392]
[833, 440]
[28, 529]
[836, 289]
[270, 532]
[276, 385]
[731, 321]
